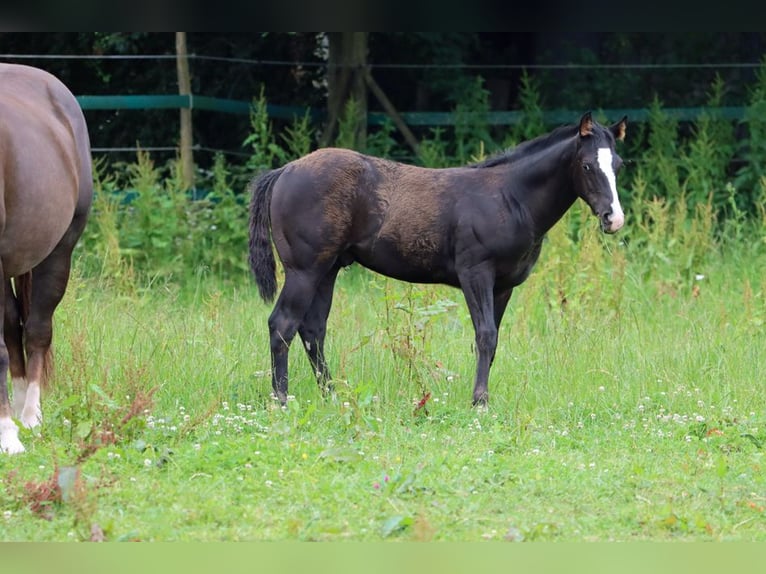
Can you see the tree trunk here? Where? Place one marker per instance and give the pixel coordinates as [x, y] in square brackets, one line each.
[346, 79]
[184, 88]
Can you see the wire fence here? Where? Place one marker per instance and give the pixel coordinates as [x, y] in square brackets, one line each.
[416, 118]
[403, 66]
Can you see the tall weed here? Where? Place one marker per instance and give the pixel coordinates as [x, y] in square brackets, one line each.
[471, 123]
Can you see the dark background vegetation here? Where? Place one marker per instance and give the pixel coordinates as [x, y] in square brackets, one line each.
[426, 71]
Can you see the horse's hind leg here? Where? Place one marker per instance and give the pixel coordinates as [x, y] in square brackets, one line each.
[9, 432]
[12, 329]
[292, 304]
[49, 282]
[314, 328]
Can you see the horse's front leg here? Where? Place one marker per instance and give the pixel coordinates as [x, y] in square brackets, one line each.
[477, 286]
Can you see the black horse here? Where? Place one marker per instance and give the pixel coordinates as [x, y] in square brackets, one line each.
[478, 227]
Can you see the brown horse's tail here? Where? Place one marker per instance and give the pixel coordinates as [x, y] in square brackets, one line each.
[261, 254]
[23, 295]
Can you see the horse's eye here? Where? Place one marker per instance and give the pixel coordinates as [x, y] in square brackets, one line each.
[586, 166]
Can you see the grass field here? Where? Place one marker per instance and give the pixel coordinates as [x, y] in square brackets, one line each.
[624, 405]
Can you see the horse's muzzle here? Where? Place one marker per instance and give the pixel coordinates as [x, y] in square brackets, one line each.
[611, 222]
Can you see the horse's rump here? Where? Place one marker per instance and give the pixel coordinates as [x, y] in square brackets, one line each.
[44, 145]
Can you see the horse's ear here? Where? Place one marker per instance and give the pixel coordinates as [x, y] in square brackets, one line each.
[586, 125]
[619, 129]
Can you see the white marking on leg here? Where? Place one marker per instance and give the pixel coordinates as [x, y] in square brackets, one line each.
[19, 395]
[9, 437]
[308, 346]
[617, 218]
[32, 414]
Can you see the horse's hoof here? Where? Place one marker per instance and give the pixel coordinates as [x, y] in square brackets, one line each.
[481, 402]
[9, 439]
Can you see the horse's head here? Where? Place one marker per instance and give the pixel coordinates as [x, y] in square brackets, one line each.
[595, 170]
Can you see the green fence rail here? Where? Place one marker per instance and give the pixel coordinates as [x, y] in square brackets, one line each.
[498, 118]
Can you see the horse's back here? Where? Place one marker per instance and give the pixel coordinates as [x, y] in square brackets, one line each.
[389, 216]
[46, 165]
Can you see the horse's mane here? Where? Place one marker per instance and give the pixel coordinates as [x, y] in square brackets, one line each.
[527, 148]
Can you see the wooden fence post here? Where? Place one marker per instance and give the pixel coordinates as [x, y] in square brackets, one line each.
[184, 88]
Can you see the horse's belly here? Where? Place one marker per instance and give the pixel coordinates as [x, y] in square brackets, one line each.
[26, 242]
[413, 263]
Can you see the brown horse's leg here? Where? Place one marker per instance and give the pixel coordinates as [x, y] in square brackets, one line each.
[292, 304]
[477, 288]
[314, 327]
[13, 341]
[49, 282]
[9, 432]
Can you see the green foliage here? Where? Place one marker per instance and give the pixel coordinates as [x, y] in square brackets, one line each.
[432, 152]
[661, 158]
[381, 142]
[530, 103]
[221, 229]
[298, 137]
[348, 125]
[99, 252]
[708, 157]
[153, 229]
[754, 146]
[471, 128]
[266, 153]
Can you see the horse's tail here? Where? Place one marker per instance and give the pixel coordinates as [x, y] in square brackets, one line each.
[23, 295]
[261, 254]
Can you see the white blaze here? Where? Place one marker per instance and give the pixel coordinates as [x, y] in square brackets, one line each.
[605, 164]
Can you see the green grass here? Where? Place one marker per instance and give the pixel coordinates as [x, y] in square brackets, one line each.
[634, 411]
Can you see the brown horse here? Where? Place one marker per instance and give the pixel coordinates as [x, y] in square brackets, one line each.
[478, 227]
[46, 189]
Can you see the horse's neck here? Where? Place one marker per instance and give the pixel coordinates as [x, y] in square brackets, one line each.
[545, 188]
